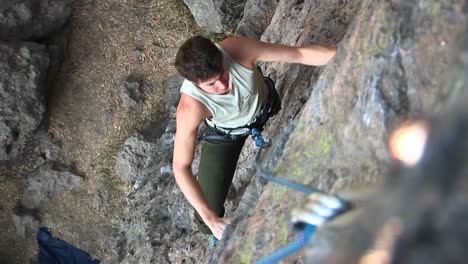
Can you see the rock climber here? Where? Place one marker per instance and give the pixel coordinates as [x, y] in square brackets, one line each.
[224, 88]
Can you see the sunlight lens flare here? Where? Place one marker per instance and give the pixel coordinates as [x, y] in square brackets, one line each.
[407, 143]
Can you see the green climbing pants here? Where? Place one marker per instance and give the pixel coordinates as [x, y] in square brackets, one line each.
[218, 163]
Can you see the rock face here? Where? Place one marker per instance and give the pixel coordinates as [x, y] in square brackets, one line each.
[158, 212]
[382, 74]
[131, 93]
[418, 181]
[257, 16]
[24, 66]
[23, 71]
[30, 19]
[41, 187]
[44, 183]
[216, 15]
[135, 158]
[25, 225]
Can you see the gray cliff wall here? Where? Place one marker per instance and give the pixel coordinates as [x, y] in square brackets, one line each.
[31, 45]
[391, 65]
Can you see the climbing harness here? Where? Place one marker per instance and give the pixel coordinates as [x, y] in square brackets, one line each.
[272, 107]
[319, 209]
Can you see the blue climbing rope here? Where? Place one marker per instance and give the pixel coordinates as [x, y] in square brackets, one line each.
[290, 248]
[257, 137]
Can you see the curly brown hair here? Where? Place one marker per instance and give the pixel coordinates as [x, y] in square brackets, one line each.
[198, 59]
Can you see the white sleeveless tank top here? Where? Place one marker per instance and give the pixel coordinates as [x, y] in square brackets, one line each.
[242, 104]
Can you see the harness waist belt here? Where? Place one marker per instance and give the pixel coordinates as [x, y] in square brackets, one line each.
[272, 107]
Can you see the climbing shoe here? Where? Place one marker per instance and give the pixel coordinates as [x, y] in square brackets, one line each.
[212, 241]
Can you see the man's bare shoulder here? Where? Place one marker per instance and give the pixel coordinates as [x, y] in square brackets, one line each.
[240, 49]
[234, 40]
[191, 109]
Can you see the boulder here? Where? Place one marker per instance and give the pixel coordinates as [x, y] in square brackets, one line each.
[32, 19]
[256, 18]
[26, 225]
[23, 72]
[158, 227]
[131, 93]
[45, 183]
[137, 154]
[216, 16]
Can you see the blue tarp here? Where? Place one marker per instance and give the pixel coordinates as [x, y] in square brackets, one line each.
[55, 251]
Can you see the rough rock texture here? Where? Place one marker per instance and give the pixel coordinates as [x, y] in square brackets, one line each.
[23, 72]
[25, 67]
[172, 91]
[382, 74]
[216, 15]
[19, 225]
[137, 154]
[256, 18]
[158, 212]
[27, 150]
[131, 93]
[419, 181]
[31, 19]
[45, 183]
[25, 225]
[290, 25]
[48, 148]
[42, 186]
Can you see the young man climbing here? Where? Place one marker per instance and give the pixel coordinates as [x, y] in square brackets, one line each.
[224, 88]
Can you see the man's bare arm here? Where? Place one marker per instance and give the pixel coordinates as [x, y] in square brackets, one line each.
[190, 114]
[246, 51]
